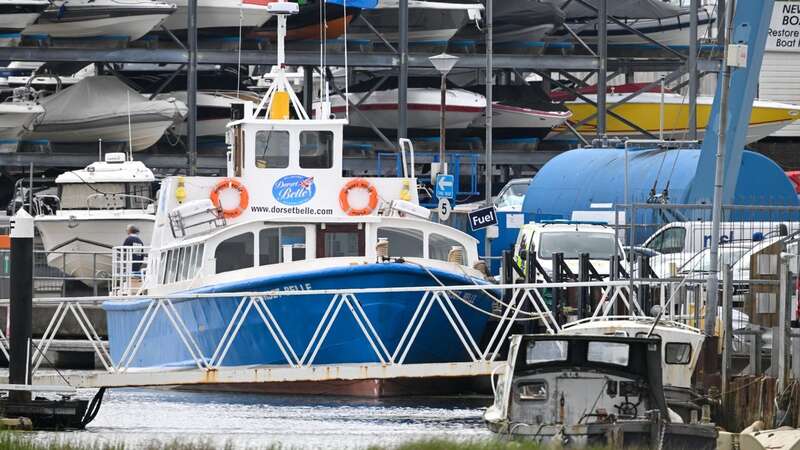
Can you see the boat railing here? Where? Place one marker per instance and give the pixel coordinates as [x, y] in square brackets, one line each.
[145, 201]
[128, 269]
[520, 305]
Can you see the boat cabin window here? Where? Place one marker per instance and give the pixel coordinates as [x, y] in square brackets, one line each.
[337, 240]
[235, 253]
[546, 351]
[608, 353]
[180, 264]
[403, 242]
[105, 195]
[439, 247]
[284, 244]
[316, 149]
[670, 240]
[272, 149]
[535, 390]
[677, 353]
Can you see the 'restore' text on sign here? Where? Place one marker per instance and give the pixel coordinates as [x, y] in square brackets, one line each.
[784, 28]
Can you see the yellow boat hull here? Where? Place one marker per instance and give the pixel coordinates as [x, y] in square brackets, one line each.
[766, 118]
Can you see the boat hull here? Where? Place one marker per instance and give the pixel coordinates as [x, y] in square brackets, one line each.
[299, 316]
[620, 434]
[765, 119]
[219, 17]
[145, 133]
[515, 122]
[132, 26]
[16, 117]
[424, 110]
[15, 16]
[72, 241]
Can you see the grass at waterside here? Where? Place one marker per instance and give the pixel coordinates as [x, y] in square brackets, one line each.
[37, 441]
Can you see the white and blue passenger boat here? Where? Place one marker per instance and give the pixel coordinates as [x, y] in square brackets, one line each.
[286, 219]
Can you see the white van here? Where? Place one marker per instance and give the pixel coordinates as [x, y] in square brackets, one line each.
[571, 238]
[677, 242]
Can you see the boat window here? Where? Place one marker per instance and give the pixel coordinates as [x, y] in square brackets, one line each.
[403, 242]
[174, 261]
[608, 353]
[235, 253]
[272, 241]
[670, 240]
[186, 263]
[316, 149]
[342, 243]
[92, 195]
[535, 390]
[572, 244]
[198, 262]
[439, 247]
[163, 267]
[139, 195]
[546, 351]
[677, 353]
[272, 149]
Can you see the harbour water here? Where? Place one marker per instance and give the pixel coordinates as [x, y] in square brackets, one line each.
[139, 417]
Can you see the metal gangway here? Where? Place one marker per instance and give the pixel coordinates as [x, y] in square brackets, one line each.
[523, 303]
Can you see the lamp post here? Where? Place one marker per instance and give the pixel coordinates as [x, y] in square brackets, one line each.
[443, 63]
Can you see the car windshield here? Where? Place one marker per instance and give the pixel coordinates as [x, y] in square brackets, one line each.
[572, 244]
[701, 262]
[514, 195]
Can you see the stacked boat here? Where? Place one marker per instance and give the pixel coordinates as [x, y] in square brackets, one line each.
[15, 16]
[104, 108]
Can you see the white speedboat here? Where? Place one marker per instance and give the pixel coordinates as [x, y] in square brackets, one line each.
[130, 19]
[462, 107]
[429, 22]
[669, 31]
[285, 218]
[220, 16]
[102, 107]
[15, 15]
[521, 111]
[95, 206]
[17, 114]
[213, 110]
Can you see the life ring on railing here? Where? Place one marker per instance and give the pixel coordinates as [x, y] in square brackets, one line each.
[244, 197]
[358, 183]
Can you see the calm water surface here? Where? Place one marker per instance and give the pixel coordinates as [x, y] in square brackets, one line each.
[138, 417]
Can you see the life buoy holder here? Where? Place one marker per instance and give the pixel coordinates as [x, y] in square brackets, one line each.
[244, 197]
[358, 183]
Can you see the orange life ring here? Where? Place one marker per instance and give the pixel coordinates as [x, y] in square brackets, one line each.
[244, 197]
[361, 183]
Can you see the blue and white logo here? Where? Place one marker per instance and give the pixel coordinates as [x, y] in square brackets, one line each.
[294, 189]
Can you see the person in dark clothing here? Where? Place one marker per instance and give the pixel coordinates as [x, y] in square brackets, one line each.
[133, 240]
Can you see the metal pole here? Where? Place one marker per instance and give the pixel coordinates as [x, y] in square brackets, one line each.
[442, 130]
[693, 75]
[402, 85]
[602, 73]
[191, 88]
[487, 246]
[784, 340]
[727, 323]
[21, 302]
[716, 215]
[308, 88]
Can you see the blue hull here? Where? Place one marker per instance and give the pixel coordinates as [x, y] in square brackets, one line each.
[299, 316]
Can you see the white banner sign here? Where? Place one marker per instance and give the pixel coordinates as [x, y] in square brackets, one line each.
[784, 29]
